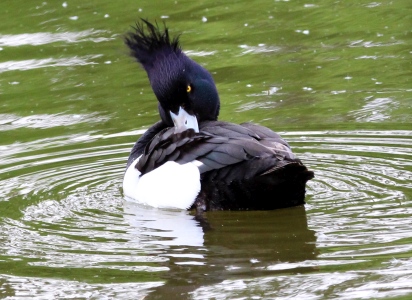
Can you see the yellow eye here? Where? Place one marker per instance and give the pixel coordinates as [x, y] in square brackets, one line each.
[189, 88]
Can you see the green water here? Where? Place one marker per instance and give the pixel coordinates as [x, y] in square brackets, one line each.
[334, 78]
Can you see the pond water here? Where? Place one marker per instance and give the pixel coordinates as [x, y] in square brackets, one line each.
[334, 78]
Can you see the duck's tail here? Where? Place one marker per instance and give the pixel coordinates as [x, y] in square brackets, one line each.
[282, 187]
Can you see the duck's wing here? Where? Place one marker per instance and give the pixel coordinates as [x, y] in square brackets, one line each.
[227, 129]
[270, 177]
[264, 133]
[245, 156]
[249, 131]
[270, 139]
[141, 143]
[169, 146]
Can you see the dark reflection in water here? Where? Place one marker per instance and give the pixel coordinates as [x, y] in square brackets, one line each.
[66, 229]
[216, 246]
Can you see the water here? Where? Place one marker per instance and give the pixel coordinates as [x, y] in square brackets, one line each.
[333, 78]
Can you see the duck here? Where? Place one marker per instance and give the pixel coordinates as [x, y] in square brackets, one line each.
[189, 159]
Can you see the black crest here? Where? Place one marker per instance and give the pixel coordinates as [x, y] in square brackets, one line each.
[148, 43]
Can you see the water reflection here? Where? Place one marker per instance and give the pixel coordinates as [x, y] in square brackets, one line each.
[369, 44]
[261, 48]
[71, 216]
[216, 246]
[11, 122]
[30, 64]
[31, 287]
[41, 38]
[375, 109]
[163, 227]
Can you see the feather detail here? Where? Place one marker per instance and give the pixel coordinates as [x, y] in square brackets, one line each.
[146, 44]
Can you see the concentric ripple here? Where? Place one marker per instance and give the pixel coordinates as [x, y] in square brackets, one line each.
[364, 167]
[73, 224]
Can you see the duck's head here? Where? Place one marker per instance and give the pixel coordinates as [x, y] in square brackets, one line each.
[179, 83]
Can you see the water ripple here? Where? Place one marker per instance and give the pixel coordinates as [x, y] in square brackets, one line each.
[375, 110]
[41, 38]
[11, 122]
[30, 64]
[73, 215]
[261, 48]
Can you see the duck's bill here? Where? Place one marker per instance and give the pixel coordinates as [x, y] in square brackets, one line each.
[184, 121]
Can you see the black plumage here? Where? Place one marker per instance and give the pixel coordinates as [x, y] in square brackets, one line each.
[243, 166]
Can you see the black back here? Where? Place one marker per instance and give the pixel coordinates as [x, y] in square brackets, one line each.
[241, 168]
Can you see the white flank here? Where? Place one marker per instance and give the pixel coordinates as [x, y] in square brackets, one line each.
[131, 179]
[169, 186]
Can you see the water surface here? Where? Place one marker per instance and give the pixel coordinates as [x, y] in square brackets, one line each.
[334, 78]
